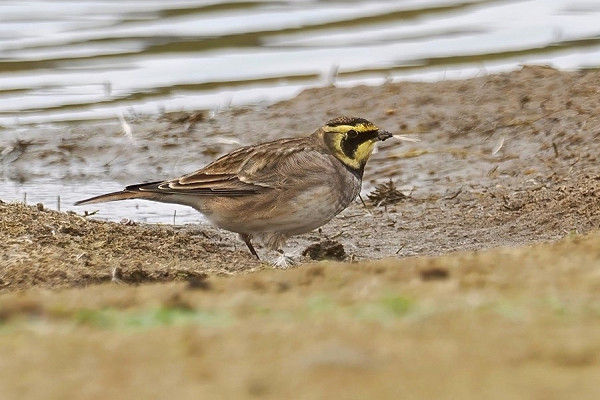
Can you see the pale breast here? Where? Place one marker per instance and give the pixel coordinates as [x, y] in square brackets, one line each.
[298, 206]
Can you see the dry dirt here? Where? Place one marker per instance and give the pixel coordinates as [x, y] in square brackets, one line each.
[506, 162]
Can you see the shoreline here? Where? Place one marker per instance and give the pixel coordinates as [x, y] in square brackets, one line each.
[500, 158]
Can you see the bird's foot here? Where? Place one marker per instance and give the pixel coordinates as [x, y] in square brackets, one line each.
[283, 261]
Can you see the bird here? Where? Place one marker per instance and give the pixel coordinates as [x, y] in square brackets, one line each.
[271, 191]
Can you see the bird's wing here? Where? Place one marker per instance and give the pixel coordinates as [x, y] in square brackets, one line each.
[248, 170]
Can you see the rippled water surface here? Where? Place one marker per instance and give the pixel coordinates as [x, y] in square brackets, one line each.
[60, 196]
[72, 60]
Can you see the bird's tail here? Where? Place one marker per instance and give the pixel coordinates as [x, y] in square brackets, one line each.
[114, 196]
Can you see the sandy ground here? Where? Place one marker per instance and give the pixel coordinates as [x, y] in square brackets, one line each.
[505, 161]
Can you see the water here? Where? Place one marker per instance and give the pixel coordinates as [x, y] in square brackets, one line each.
[57, 195]
[67, 60]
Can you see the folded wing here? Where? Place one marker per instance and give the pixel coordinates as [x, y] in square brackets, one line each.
[246, 171]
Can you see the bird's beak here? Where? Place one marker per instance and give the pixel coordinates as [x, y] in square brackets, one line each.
[383, 135]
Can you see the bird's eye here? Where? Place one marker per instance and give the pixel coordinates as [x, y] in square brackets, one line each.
[352, 134]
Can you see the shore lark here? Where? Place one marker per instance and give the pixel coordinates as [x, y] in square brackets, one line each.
[271, 191]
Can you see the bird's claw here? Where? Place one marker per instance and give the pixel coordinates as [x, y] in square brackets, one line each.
[283, 261]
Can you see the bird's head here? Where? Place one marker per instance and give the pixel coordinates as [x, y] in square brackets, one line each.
[351, 139]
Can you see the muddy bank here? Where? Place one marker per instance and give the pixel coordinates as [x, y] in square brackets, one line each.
[504, 160]
[50, 249]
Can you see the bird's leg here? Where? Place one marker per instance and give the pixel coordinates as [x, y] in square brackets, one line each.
[246, 239]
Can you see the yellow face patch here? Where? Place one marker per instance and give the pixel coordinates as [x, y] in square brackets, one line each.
[352, 144]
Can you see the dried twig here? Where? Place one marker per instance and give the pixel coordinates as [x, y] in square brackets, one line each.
[385, 194]
[498, 146]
